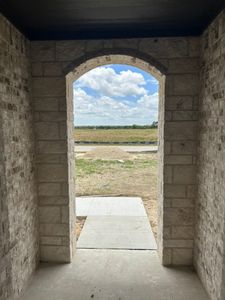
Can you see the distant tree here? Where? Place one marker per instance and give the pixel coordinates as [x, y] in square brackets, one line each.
[105, 127]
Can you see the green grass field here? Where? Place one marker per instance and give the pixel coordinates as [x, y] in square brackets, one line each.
[115, 135]
[87, 167]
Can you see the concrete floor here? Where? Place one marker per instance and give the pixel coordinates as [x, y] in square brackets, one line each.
[129, 148]
[116, 232]
[114, 275]
[109, 206]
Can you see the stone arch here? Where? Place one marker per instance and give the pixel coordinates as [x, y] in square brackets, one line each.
[132, 56]
[84, 64]
[62, 62]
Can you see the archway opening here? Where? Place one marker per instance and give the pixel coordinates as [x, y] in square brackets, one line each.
[116, 134]
[75, 77]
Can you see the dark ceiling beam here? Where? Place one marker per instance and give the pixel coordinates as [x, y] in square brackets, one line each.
[95, 19]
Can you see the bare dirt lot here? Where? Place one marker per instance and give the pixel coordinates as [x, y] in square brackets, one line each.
[130, 175]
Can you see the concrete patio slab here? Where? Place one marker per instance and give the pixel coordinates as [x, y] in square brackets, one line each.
[114, 275]
[116, 232]
[127, 148]
[109, 206]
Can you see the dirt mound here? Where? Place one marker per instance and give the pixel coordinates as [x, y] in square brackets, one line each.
[108, 153]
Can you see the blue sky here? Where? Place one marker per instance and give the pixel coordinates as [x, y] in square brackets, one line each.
[115, 95]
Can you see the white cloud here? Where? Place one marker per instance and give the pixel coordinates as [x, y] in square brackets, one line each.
[90, 110]
[104, 97]
[153, 80]
[106, 81]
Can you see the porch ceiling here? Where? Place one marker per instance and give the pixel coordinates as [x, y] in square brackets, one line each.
[72, 19]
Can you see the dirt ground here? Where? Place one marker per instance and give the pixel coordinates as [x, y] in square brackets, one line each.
[134, 176]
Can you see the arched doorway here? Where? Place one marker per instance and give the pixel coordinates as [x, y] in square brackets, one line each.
[77, 69]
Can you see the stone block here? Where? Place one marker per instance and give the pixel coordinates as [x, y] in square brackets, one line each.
[168, 174]
[183, 65]
[46, 104]
[167, 232]
[185, 115]
[52, 116]
[191, 191]
[55, 254]
[167, 257]
[64, 189]
[69, 50]
[65, 214]
[53, 200]
[182, 232]
[194, 46]
[94, 45]
[182, 202]
[168, 115]
[178, 243]
[167, 202]
[47, 130]
[186, 130]
[5, 29]
[182, 257]
[196, 103]
[64, 159]
[174, 190]
[165, 47]
[178, 159]
[49, 189]
[178, 103]
[108, 44]
[63, 131]
[65, 240]
[184, 174]
[49, 214]
[182, 85]
[37, 69]
[52, 147]
[47, 158]
[167, 147]
[52, 69]
[42, 51]
[54, 229]
[52, 173]
[126, 43]
[178, 216]
[51, 240]
[62, 104]
[49, 86]
[184, 147]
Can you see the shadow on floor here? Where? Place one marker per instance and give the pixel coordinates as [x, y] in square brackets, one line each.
[114, 275]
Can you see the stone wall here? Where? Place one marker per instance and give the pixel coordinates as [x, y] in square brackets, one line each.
[210, 225]
[18, 196]
[178, 60]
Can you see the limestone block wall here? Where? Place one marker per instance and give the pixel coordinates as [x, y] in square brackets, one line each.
[178, 59]
[18, 195]
[210, 209]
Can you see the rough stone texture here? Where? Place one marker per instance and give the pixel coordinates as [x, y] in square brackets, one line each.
[175, 63]
[18, 196]
[55, 65]
[210, 225]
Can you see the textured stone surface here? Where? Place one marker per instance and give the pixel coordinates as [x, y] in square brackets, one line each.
[18, 196]
[210, 237]
[177, 60]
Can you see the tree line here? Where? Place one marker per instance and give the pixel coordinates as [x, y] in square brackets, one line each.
[134, 126]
